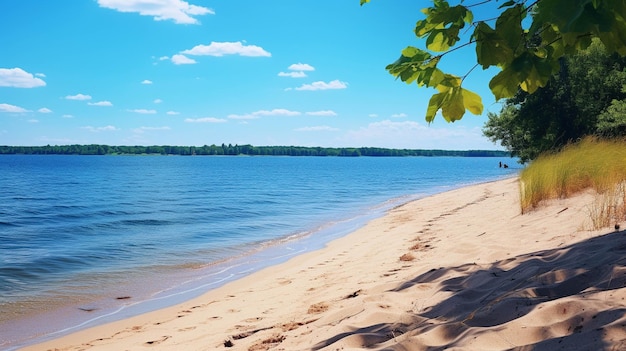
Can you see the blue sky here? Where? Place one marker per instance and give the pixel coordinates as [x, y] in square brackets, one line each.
[196, 72]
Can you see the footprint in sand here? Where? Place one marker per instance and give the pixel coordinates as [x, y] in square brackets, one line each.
[318, 308]
[183, 313]
[253, 319]
[158, 341]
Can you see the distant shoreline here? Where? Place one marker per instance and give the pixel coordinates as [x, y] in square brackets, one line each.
[242, 150]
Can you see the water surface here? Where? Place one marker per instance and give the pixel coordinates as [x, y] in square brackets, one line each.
[95, 238]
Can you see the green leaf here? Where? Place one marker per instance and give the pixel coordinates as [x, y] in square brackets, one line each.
[453, 101]
[472, 101]
[417, 66]
[532, 82]
[533, 72]
[423, 27]
[453, 108]
[491, 49]
[364, 2]
[436, 77]
[504, 84]
[411, 51]
[442, 25]
[615, 40]
[553, 42]
[509, 26]
[442, 39]
[434, 105]
[528, 71]
[541, 52]
[446, 15]
[507, 4]
[448, 81]
[561, 13]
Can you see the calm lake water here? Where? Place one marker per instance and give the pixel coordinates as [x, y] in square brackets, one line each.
[89, 239]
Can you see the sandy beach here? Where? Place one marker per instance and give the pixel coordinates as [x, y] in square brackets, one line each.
[461, 270]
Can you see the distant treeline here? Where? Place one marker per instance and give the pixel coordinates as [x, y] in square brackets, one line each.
[234, 150]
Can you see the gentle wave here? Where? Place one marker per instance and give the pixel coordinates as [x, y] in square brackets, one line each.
[78, 231]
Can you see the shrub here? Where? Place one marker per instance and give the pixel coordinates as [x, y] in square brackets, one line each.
[590, 163]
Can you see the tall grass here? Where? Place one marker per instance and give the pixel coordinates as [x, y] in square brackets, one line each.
[590, 163]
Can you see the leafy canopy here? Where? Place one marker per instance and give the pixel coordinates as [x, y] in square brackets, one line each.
[525, 41]
[586, 97]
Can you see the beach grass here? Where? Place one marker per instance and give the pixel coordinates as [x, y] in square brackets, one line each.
[589, 164]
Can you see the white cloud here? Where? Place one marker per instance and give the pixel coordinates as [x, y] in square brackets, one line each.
[108, 128]
[262, 113]
[322, 113]
[389, 133]
[12, 108]
[182, 60]
[67, 116]
[301, 67]
[298, 70]
[33, 121]
[391, 126]
[143, 111]
[44, 110]
[227, 48]
[298, 74]
[78, 97]
[179, 11]
[163, 58]
[414, 135]
[276, 112]
[205, 120]
[100, 103]
[18, 78]
[157, 101]
[399, 115]
[316, 129]
[373, 115]
[335, 84]
[146, 81]
[40, 75]
[172, 113]
[141, 130]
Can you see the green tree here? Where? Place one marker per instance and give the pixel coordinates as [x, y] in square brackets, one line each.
[525, 40]
[575, 103]
[612, 122]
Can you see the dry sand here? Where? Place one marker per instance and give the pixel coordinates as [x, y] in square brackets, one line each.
[462, 270]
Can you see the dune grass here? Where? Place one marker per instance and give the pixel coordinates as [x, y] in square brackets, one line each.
[588, 164]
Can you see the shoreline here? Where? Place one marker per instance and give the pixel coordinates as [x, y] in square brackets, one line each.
[129, 300]
[85, 313]
[399, 281]
[189, 283]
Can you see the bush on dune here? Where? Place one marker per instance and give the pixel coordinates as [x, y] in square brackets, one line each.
[589, 164]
